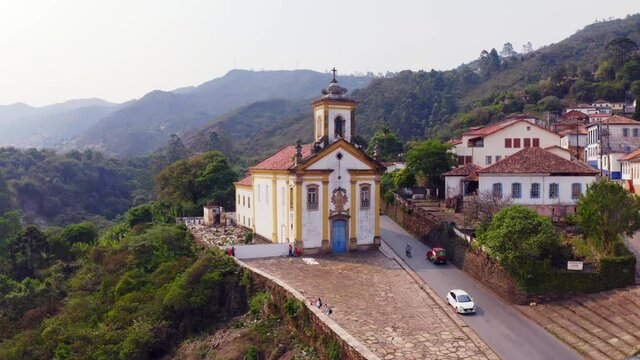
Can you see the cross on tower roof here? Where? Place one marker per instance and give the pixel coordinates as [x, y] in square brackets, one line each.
[334, 71]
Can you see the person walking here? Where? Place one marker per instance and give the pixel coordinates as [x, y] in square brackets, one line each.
[319, 303]
[290, 250]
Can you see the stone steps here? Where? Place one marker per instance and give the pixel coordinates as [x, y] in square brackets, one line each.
[566, 335]
[584, 330]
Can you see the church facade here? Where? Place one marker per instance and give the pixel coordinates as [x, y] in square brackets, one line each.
[323, 196]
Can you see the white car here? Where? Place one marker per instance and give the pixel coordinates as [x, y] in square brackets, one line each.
[461, 301]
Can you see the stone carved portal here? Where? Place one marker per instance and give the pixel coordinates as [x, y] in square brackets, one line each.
[339, 199]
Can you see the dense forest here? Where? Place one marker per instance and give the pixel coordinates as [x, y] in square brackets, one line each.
[134, 288]
[52, 188]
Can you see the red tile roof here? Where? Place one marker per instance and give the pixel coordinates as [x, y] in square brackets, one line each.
[635, 153]
[248, 181]
[464, 170]
[615, 120]
[455, 141]
[490, 129]
[574, 115]
[536, 160]
[283, 159]
[582, 130]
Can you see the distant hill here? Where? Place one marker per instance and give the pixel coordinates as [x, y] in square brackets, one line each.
[420, 103]
[25, 126]
[145, 125]
[254, 130]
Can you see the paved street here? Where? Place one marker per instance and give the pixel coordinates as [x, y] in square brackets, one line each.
[509, 333]
[379, 304]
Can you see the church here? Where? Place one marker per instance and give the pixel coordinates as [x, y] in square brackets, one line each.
[322, 197]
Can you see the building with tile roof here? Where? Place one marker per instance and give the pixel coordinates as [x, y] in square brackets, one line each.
[539, 179]
[320, 197]
[486, 145]
[609, 140]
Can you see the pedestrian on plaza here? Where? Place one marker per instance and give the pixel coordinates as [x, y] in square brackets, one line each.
[290, 250]
[233, 251]
[319, 303]
[229, 252]
[298, 252]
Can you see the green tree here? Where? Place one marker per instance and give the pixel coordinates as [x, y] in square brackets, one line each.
[635, 89]
[6, 198]
[430, 158]
[388, 142]
[630, 72]
[550, 103]
[606, 212]
[29, 252]
[619, 50]
[516, 236]
[202, 178]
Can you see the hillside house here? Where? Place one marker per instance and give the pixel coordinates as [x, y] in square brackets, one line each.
[630, 168]
[608, 141]
[538, 179]
[487, 145]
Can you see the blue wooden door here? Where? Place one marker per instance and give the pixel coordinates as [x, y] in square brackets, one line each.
[339, 236]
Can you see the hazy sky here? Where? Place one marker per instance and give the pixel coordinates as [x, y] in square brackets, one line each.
[52, 51]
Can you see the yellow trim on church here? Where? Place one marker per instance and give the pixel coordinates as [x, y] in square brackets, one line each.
[274, 208]
[377, 209]
[325, 209]
[353, 208]
[298, 211]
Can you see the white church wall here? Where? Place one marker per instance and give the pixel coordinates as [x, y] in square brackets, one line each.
[365, 218]
[244, 210]
[263, 196]
[256, 251]
[282, 208]
[312, 219]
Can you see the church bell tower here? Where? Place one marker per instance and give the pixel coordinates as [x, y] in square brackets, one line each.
[334, 115]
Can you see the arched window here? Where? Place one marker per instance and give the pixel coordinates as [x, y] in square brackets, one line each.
[312, 197]
[365, 196]
[338, 126]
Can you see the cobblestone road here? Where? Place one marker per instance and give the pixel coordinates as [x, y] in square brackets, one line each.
[376, 301]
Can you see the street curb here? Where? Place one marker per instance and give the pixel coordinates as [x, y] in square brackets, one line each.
[486, 349]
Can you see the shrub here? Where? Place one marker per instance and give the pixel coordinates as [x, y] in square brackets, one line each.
[258, 303]
[292, 308]
[252, 353]
[248, 237]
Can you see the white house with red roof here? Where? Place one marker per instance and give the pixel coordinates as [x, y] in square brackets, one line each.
[322, 197]
[630, 171]
[487, 145]
[608, 141]
[539, 179]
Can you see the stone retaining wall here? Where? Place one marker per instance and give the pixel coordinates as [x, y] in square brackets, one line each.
[415, 220]
[311, 324]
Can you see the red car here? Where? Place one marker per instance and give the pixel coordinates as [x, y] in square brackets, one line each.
[437, 255]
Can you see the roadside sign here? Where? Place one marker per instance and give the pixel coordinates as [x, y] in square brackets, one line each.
[575, 265]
